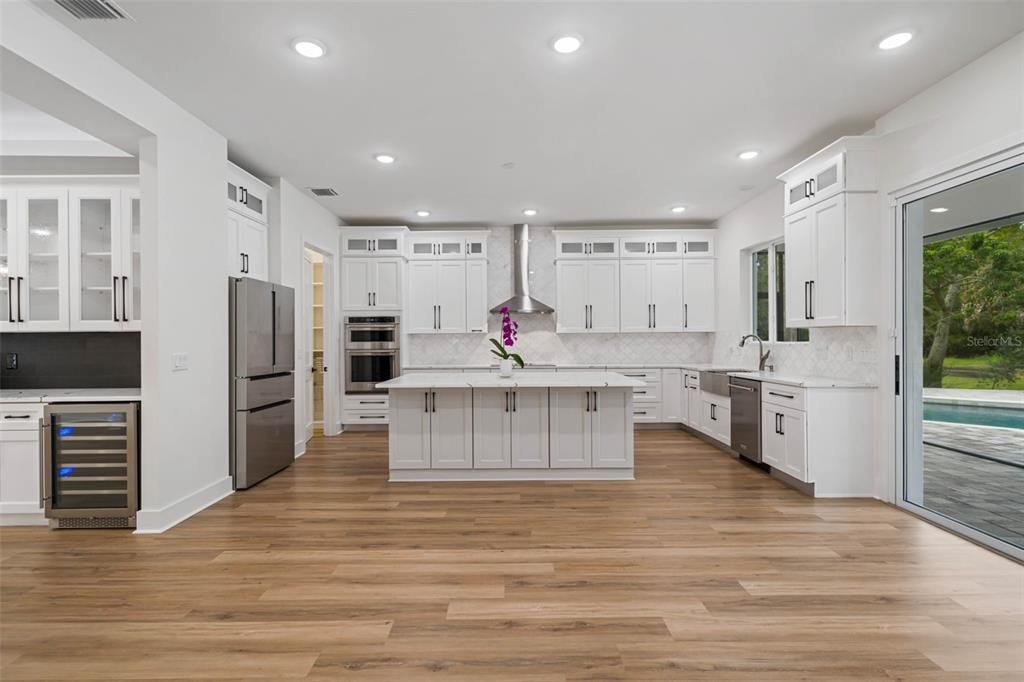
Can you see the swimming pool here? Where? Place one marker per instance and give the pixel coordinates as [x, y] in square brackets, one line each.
[975, 414]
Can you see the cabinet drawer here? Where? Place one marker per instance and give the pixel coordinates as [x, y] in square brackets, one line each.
[646, 413]
[647, 394]
[364, 417]
[20, 416]
[647, 375]
[375, 403]
[780, 394]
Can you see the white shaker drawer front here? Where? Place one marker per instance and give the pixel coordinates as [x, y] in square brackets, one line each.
[364, 417]
[647, 375]
[647, 394]
[644, 413]
[377, 403]
[20, 416]
[783, 395]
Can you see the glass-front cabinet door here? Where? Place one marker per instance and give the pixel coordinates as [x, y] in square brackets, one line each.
[42, 273]
[96, 289]
[131, 258]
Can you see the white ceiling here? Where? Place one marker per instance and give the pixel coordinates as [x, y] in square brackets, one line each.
[650, 113]
[27, 131]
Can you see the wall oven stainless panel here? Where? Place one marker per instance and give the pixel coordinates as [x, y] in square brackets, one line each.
[364, 369]
[745, 426]
[90, 464]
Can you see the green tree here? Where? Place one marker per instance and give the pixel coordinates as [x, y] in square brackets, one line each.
[974, 282]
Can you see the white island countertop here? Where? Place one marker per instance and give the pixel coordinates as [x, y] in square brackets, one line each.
[71, 395]
[803, 381]
[534, 379]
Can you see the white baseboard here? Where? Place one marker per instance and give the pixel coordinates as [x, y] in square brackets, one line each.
[300, 448]
[160, 520]
[439, 475]
[21, 514]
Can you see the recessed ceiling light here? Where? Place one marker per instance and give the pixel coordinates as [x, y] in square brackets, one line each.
[385, 158]
[940, 209]
[567, 44]
[423, 214]
[313, 49]
[895, 40]
[748, 155]
[530, 211]
[678, 209]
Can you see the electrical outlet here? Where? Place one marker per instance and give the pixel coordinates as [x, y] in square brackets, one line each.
[10, 361]
[179, 362]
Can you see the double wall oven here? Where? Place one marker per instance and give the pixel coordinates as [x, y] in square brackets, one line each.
[371, 352]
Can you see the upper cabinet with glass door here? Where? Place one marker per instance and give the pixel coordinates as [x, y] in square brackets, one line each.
[846, 165]
[8, 206]
[652, 245]
[105, 259]
[36, 281]
[246, 194]
[573, 244]
[441, 245]
[373, 241]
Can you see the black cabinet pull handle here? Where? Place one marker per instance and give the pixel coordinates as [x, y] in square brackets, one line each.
[686, 315]
[124, 299]
[781, 395]
[588, 401]
[807, 313]
[10, 299]
[654, 309]
[426, 402]
[433, 402]
[595, 401]
[113, 293]
[515, 401]
[814, 190]
[20, 318]
[811, 297]
[506, 401]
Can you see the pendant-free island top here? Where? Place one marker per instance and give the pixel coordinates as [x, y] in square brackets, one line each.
[530, 426]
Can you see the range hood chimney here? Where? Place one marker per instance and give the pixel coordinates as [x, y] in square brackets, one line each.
[521, 301]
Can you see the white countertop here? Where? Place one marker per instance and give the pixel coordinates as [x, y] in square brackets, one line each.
[535, 379]
[803, 381]
[695, 366]
[71, 395]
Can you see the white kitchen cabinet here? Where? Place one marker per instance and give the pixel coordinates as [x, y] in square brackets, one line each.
[699, 295]
[8, 251]
[831, 264]
[816, 183]
[586, 245]
[846, 165]
[37, 280]
[588, 296]
[247, 195]
[510, 429]
[20, 464]
[247, 247]
[476, 296]
[437, 297]
[715, 416]
[451, 428]
[436, 244]
[653, 245]
[591, 428]
[651, 295]
[372, 284]
[691, 402]
[382, 242]
[672, 395]
[698, 244]
[431, 429]
[784, 440]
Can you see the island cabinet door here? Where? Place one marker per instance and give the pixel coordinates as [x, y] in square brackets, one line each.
[492, 421]
[570, 428]
[611, 428]
[451, 428]
[530, 438]
[409, 430]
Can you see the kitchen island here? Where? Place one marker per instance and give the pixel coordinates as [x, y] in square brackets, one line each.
[532, 426]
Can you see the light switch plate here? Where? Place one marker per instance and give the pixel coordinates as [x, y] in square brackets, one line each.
[179, 362]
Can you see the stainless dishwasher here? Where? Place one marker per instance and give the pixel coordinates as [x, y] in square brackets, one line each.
[745, 426]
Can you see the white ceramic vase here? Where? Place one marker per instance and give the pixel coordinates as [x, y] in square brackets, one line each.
[505, 367]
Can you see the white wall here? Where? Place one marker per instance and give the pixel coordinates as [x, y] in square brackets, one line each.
[297, 221]
[182, 168]
[847, 352]
[538, 341]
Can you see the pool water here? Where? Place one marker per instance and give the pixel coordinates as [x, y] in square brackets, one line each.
[974, 414]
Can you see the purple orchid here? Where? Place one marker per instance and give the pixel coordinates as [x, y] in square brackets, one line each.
[509, 336]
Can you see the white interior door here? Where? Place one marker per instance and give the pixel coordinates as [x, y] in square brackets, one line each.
[307, 335]
[667, 295]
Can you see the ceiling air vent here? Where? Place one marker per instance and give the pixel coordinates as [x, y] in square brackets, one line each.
[323, 191]
[93, 9]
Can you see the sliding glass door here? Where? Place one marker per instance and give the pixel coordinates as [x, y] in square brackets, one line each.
[963, 355]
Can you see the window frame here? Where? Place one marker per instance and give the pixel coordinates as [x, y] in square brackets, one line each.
[773, 292]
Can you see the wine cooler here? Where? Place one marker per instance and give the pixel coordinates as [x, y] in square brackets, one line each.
[90, 474]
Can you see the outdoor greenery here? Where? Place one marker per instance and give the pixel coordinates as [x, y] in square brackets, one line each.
[974, 310]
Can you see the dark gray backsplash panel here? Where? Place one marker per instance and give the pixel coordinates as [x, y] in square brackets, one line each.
[72, 360]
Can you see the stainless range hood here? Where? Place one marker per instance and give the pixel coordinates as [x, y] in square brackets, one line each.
[521, 301]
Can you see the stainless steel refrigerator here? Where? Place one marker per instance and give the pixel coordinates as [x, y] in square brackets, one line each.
[262, 411]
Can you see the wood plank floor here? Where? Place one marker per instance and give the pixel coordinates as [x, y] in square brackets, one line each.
[702, 569]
